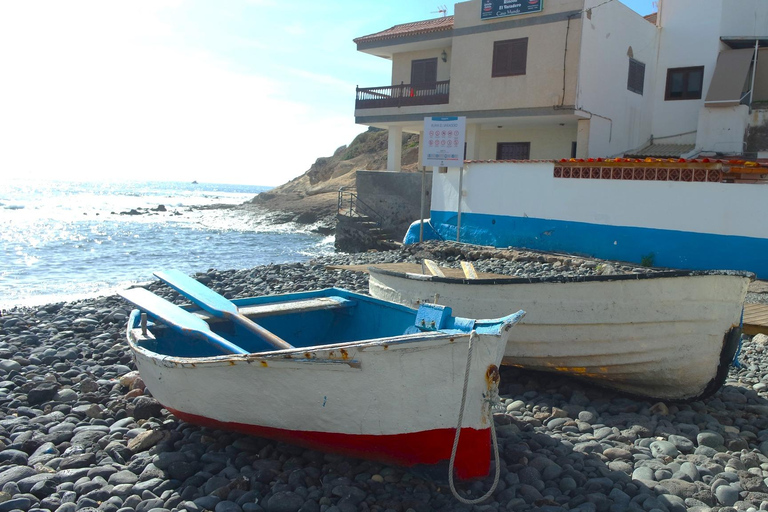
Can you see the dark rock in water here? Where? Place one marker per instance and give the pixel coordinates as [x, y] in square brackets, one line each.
[160, 208]
[306, 218]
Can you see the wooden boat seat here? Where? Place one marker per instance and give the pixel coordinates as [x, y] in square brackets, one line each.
[279, 308]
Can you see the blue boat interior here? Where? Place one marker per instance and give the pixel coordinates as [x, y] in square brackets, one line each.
[346, 317]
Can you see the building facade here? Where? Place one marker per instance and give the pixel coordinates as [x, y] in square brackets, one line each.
[547, 79]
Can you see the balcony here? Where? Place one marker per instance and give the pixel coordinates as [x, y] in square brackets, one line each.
[403, 95]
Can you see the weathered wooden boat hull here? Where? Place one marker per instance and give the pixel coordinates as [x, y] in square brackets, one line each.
[395, 398]
[669, 335]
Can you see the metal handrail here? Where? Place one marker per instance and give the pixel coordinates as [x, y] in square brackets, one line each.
[350, 205]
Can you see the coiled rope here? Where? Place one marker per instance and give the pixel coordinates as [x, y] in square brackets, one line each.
[491, 400]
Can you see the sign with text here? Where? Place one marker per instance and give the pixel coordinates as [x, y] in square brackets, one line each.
[500, 8]
[443, 144]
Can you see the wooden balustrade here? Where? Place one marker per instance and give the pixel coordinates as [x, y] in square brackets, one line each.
[403, 95]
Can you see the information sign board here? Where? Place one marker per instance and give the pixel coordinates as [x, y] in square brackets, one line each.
[500, 8]
[443, 144]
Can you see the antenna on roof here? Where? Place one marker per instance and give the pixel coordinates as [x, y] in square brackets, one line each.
[441, 9]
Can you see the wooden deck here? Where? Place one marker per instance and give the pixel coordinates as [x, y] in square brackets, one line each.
[755, 319]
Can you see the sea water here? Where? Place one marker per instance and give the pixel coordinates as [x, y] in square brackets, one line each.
[62, 241]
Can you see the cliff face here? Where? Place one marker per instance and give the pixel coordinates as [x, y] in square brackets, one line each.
[313, 196]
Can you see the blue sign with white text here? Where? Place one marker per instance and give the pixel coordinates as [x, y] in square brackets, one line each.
[499, 8]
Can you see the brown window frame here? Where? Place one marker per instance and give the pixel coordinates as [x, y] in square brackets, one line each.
[510, 57]
[686, 72]
[636, 76]
[519, 145]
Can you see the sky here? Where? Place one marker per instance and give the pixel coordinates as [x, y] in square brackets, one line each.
[228, 91]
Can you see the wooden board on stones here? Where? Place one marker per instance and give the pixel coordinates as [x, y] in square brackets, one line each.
[413, 268]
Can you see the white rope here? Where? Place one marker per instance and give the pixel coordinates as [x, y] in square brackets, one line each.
[492, 397]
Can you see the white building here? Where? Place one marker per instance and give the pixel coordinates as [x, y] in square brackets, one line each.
[546, 79]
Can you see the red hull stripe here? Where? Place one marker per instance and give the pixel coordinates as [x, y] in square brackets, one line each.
[428, 447]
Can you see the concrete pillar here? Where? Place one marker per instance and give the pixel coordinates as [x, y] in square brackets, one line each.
[395, 149]
[473, 142]
[582, 138]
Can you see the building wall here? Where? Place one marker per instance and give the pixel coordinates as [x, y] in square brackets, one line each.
[473, 88]
[744, 18]
[757, 140]
[620, 119]
[401, 65]
[722, 129]
[516, 190]
[601, 37]
[548, 142]
[689, 37]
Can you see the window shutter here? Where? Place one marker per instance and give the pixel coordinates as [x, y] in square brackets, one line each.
[510, 57]
[424, 71]
[636, 76]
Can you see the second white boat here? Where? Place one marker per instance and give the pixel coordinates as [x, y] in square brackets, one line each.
[663, 335]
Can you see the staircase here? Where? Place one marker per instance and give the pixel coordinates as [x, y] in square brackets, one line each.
[360, 227]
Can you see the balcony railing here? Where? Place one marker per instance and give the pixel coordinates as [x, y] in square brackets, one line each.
[403, 95]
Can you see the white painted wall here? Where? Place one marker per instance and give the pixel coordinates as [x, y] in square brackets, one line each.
[620, 119]
[530, 189]
[690, 36]
[548, 142]
[401, 64]
[744, 18]
[722, 129]
[473, 88]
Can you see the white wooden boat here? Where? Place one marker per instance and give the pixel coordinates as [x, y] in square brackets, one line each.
[664, 335]
[361, 376]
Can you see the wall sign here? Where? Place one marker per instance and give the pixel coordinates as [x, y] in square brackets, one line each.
[443, 144]
[500, 8]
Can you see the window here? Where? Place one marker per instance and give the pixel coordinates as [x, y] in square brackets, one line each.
[424, 71]
[509, 57]
[684, 83]
[636, 76]
[513, 151]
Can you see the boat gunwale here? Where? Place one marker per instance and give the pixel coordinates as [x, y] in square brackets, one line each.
[561, 279]
[401, 341]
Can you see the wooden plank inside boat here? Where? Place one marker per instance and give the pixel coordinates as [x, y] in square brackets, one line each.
[413, 268]
[282, 308]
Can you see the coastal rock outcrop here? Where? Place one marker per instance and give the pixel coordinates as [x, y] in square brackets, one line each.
[312, 198]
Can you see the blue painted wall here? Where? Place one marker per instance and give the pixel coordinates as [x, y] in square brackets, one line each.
[666, 248]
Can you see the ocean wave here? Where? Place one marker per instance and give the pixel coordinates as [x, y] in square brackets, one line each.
[71, 243]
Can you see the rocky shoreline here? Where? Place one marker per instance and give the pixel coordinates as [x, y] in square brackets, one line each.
[78, 431]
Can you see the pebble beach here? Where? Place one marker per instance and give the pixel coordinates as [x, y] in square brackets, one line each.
[79, 431]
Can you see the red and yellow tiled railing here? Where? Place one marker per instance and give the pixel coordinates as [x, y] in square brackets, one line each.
[704, 170]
